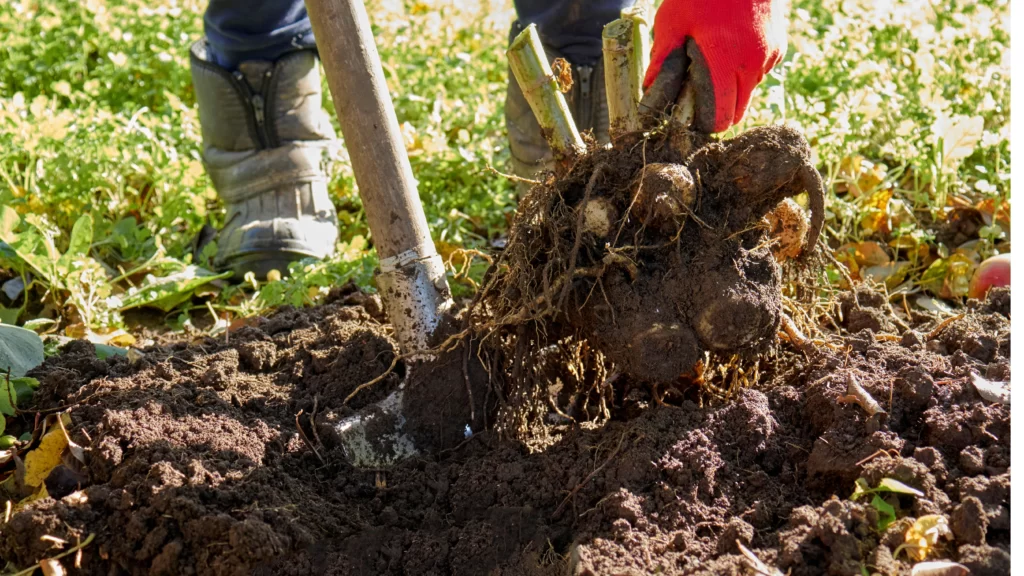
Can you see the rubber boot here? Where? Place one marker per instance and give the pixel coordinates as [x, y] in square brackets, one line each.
[267, 144]
[587, 103]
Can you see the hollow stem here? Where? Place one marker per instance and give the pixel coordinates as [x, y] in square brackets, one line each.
[540, 88]
[637, 15]
[621, 80]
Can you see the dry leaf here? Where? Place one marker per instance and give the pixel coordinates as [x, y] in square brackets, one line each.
[563, 74]
[959, 270]
[891, 274]
[74, 449]
[960, 135]
[46, 456]
[991, 391]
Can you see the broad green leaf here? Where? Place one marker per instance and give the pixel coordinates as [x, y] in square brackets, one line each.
[20, 350]
[886, 513]
[168, 292]
[104, 351]
[81, 240]
[890, 485]
[24, 388]
[9, 315]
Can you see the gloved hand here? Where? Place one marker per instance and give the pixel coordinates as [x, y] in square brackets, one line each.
[731, 44]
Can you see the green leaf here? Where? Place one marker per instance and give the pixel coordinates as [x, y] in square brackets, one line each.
[20, 350]
[24, 388]
[37, 323]
[3, 426]
[861, 488]
[81, 240]
[8, 398]
[9, 315]
[168, 292]
[886, 513]
[9, 220]
[24, 248]
[890, 485]
[104, 351]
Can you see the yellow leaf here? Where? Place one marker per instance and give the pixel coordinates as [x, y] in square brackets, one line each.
[871, 254]
[925, 533]
[961, 136]
[875, 212]
[46, 456]
[958, 276]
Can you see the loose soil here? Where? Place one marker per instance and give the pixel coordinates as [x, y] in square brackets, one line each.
[196, 464]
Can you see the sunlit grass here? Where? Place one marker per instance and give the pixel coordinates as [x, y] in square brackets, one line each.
[905, 103]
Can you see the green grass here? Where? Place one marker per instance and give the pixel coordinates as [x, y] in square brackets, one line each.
[906, 106]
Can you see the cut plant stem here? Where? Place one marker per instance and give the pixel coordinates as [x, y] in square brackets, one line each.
[540, 88]
[637, 15]
[621, 79]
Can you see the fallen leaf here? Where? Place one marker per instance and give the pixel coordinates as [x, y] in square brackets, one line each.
[959, 270]
[934, 305]
[991, 391]
[924, 534]
[74, 449]
[891, 274]
[933, 278]
[871, 254]
[46, 456]
[939, 568]
[960, 135]
[875, 212]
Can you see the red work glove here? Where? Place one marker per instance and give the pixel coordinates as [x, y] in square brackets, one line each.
[731, 45]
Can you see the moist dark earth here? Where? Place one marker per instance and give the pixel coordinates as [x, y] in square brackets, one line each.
[195, 464]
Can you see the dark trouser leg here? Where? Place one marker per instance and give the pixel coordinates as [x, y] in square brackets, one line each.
[240, 30]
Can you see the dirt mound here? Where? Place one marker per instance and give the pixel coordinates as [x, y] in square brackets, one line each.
[196, 464]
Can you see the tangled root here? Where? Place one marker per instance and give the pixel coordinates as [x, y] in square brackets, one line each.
[643, 262]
